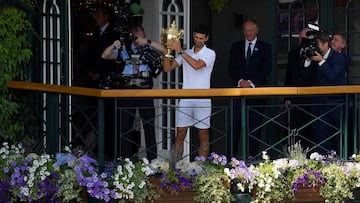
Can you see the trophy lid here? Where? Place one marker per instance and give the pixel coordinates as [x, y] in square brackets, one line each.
[172, 29]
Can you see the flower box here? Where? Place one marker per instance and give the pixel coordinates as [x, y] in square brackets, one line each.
[182, 196]
[303, 195]
[307, 195]
[171, 197]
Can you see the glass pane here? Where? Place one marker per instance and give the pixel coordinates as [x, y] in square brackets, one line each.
[354, 19]
[354, 38]
[340, 20]
[293, 17]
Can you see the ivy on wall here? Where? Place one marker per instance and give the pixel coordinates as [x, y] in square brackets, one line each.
[15, 53]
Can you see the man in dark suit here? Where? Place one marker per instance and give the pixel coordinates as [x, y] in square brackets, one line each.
[249, 66]
[103, 35]
[338, 44]
[296, 57]
[330, 69]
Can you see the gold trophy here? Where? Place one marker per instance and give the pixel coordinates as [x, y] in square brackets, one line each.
[171, 33]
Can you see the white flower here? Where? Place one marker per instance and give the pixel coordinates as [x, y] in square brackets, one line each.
[145, 160]
[142, 184]
[191, 168]
[160, 165]
[316, 156]
[265, 156]
[294, 164]
[227, 172]
[25, 191]
[280, 165]
[67, 149]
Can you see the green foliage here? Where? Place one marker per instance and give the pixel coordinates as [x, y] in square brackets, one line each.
[212, 184]
[212, 187]
[218, 5]
[15, 53]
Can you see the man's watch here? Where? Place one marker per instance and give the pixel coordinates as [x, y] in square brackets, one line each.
[181, 52]
[148, 42]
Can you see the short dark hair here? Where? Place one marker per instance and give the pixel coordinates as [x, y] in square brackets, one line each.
[106, 10]
[203, 29]
[324, 37]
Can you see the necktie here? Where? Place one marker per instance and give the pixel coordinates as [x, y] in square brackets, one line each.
[136, 68]
[248, 54]
[101, 32]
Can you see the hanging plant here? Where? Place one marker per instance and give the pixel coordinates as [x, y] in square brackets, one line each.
[218, 5]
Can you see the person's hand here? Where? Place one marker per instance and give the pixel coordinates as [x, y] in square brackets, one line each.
[318, 57]
[245, 84]
[174, 44]
[117, 44]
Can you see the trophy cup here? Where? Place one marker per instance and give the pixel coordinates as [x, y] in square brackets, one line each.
[171, 33]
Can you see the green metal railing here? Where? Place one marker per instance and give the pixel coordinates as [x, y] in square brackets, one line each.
[92, 116]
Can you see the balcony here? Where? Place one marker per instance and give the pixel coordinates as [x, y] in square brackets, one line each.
[75, 116]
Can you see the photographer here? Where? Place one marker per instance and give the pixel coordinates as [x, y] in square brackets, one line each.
[329, 69]
[130, 53]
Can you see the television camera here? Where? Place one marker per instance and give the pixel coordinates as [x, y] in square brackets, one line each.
[310, 44]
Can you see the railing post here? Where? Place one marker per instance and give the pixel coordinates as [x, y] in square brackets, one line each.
[243, 129]
[345, 127]
[355, 122]
[230, 138]
[101, 132]
[52, 123]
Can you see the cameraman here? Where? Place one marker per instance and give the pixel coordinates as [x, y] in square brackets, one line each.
[126, 51]
[329, 68]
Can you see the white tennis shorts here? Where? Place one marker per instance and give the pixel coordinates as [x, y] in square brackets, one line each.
[194, 113]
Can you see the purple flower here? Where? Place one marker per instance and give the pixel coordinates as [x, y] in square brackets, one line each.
[175, 180]
[310, 178]
[88, 177]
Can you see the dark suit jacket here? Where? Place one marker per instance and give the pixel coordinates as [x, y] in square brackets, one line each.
[295, 68]
[330, 73]
[259, 66]
[99, 44]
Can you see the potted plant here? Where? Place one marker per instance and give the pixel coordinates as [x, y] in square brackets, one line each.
[218, 5]
[212, 184]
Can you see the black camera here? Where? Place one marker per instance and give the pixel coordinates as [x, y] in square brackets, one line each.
[309, 44]
[126, 38]
[153, 59]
